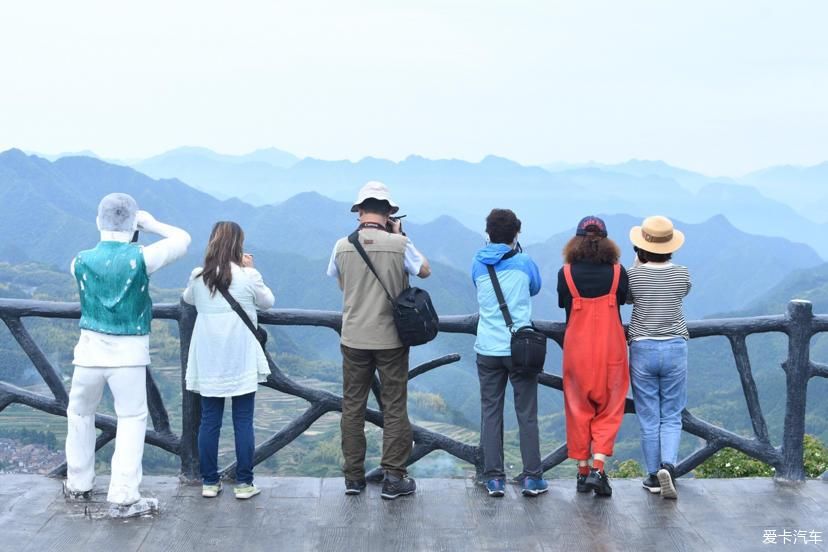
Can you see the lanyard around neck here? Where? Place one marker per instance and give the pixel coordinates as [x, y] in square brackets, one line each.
[374, 225]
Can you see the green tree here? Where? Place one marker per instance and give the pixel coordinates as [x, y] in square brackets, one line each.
[732, 463]
[627, 469]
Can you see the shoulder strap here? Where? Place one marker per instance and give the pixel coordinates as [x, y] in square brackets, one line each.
[504, 308]
[573, 289]
[616, 277]
[240, 311]
[570, 282]
[353, 239]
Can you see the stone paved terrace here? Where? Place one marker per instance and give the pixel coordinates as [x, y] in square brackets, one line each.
[445, 514]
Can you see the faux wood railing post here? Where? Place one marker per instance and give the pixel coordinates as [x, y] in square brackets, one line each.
[797, 374]
[190, 403]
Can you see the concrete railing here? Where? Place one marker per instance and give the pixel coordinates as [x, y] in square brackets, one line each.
[799, 324]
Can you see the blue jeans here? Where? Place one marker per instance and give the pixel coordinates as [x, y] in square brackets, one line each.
[212, 410]
[658, 370]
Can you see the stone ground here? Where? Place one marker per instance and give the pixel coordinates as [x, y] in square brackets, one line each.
[445, 514]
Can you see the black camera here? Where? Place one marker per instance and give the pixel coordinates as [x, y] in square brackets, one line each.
[390, 227]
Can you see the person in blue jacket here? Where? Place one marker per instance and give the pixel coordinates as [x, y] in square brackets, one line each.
[519, 279]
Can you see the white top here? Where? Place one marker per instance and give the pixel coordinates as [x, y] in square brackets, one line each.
[225, 359]
[413, 260]
[101, 350]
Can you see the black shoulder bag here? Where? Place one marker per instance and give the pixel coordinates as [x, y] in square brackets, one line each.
[259, 332]
[528, 344]
[414, 314]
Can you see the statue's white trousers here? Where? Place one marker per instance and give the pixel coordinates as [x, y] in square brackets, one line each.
[128, 387]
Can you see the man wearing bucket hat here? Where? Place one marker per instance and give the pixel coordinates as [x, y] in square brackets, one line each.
[658, 348]
[369, 339]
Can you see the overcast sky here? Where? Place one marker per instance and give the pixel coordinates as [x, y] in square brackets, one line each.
[723, 87]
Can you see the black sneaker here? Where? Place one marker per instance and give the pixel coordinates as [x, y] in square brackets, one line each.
[393, 486]
[598, 482]
[354, 486]
[581, 485]
[652, 484]
[667, 481]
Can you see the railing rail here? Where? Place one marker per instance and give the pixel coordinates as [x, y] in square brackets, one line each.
[799, 324]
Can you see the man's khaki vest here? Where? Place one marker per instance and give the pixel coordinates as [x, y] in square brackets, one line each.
[367, 318]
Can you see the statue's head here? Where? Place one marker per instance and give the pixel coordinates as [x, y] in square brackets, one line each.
[116, 213]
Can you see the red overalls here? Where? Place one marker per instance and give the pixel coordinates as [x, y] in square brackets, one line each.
[595, 371]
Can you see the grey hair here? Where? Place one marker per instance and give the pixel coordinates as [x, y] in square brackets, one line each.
[116, 213]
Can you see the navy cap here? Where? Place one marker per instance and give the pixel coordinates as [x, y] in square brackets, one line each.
[591, 225]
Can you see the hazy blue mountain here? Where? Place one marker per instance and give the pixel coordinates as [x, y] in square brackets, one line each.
[805, 188]
[644, 168]
[56, 156]
[270, 156]
[547, 202]
[65, 193]
[221, 175]
[809, 284]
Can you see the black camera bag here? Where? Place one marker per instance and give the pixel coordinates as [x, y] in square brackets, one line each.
[414, 314]
[528, 344]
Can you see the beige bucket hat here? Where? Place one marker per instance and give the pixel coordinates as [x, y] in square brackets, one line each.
[657, 235]
[376, 190]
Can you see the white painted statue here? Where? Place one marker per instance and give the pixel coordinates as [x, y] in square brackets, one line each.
[113, 349]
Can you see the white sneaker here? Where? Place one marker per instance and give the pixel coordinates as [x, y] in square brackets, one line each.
[69, 494]
[211, 491]
[246, 490]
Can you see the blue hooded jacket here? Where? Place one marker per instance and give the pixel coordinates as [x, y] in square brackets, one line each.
[519, 279]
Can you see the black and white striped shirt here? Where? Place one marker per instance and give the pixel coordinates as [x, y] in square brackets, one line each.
[656, 292]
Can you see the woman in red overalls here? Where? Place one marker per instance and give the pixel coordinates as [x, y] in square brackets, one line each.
[591, 287]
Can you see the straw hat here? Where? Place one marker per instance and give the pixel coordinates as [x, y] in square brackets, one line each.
[657, 235]
[374, 190]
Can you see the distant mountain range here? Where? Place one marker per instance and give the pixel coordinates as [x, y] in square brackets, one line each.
[47, 212]
[548, 199]
[804, 188]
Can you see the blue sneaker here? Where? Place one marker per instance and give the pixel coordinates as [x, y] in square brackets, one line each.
[496, 487]
[533, 486]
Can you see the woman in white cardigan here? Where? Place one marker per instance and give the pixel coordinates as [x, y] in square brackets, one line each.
[225, 358]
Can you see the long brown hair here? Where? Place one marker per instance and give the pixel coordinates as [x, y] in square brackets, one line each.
[226, 246]
[591, 249]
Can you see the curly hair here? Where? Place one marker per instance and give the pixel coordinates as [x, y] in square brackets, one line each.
[591, 249]
[502, 225]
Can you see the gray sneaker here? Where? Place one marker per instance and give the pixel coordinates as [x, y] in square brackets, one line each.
[667, 481]
[394, 486]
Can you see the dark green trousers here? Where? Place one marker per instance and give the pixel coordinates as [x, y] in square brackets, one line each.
[358, 367]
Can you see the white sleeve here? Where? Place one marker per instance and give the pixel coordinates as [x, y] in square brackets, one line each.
[170, 249]
[413, 259]
[263, 297]
[187, 296]
[333, 270]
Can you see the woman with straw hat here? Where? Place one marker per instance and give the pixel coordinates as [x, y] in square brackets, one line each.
[658, 347]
